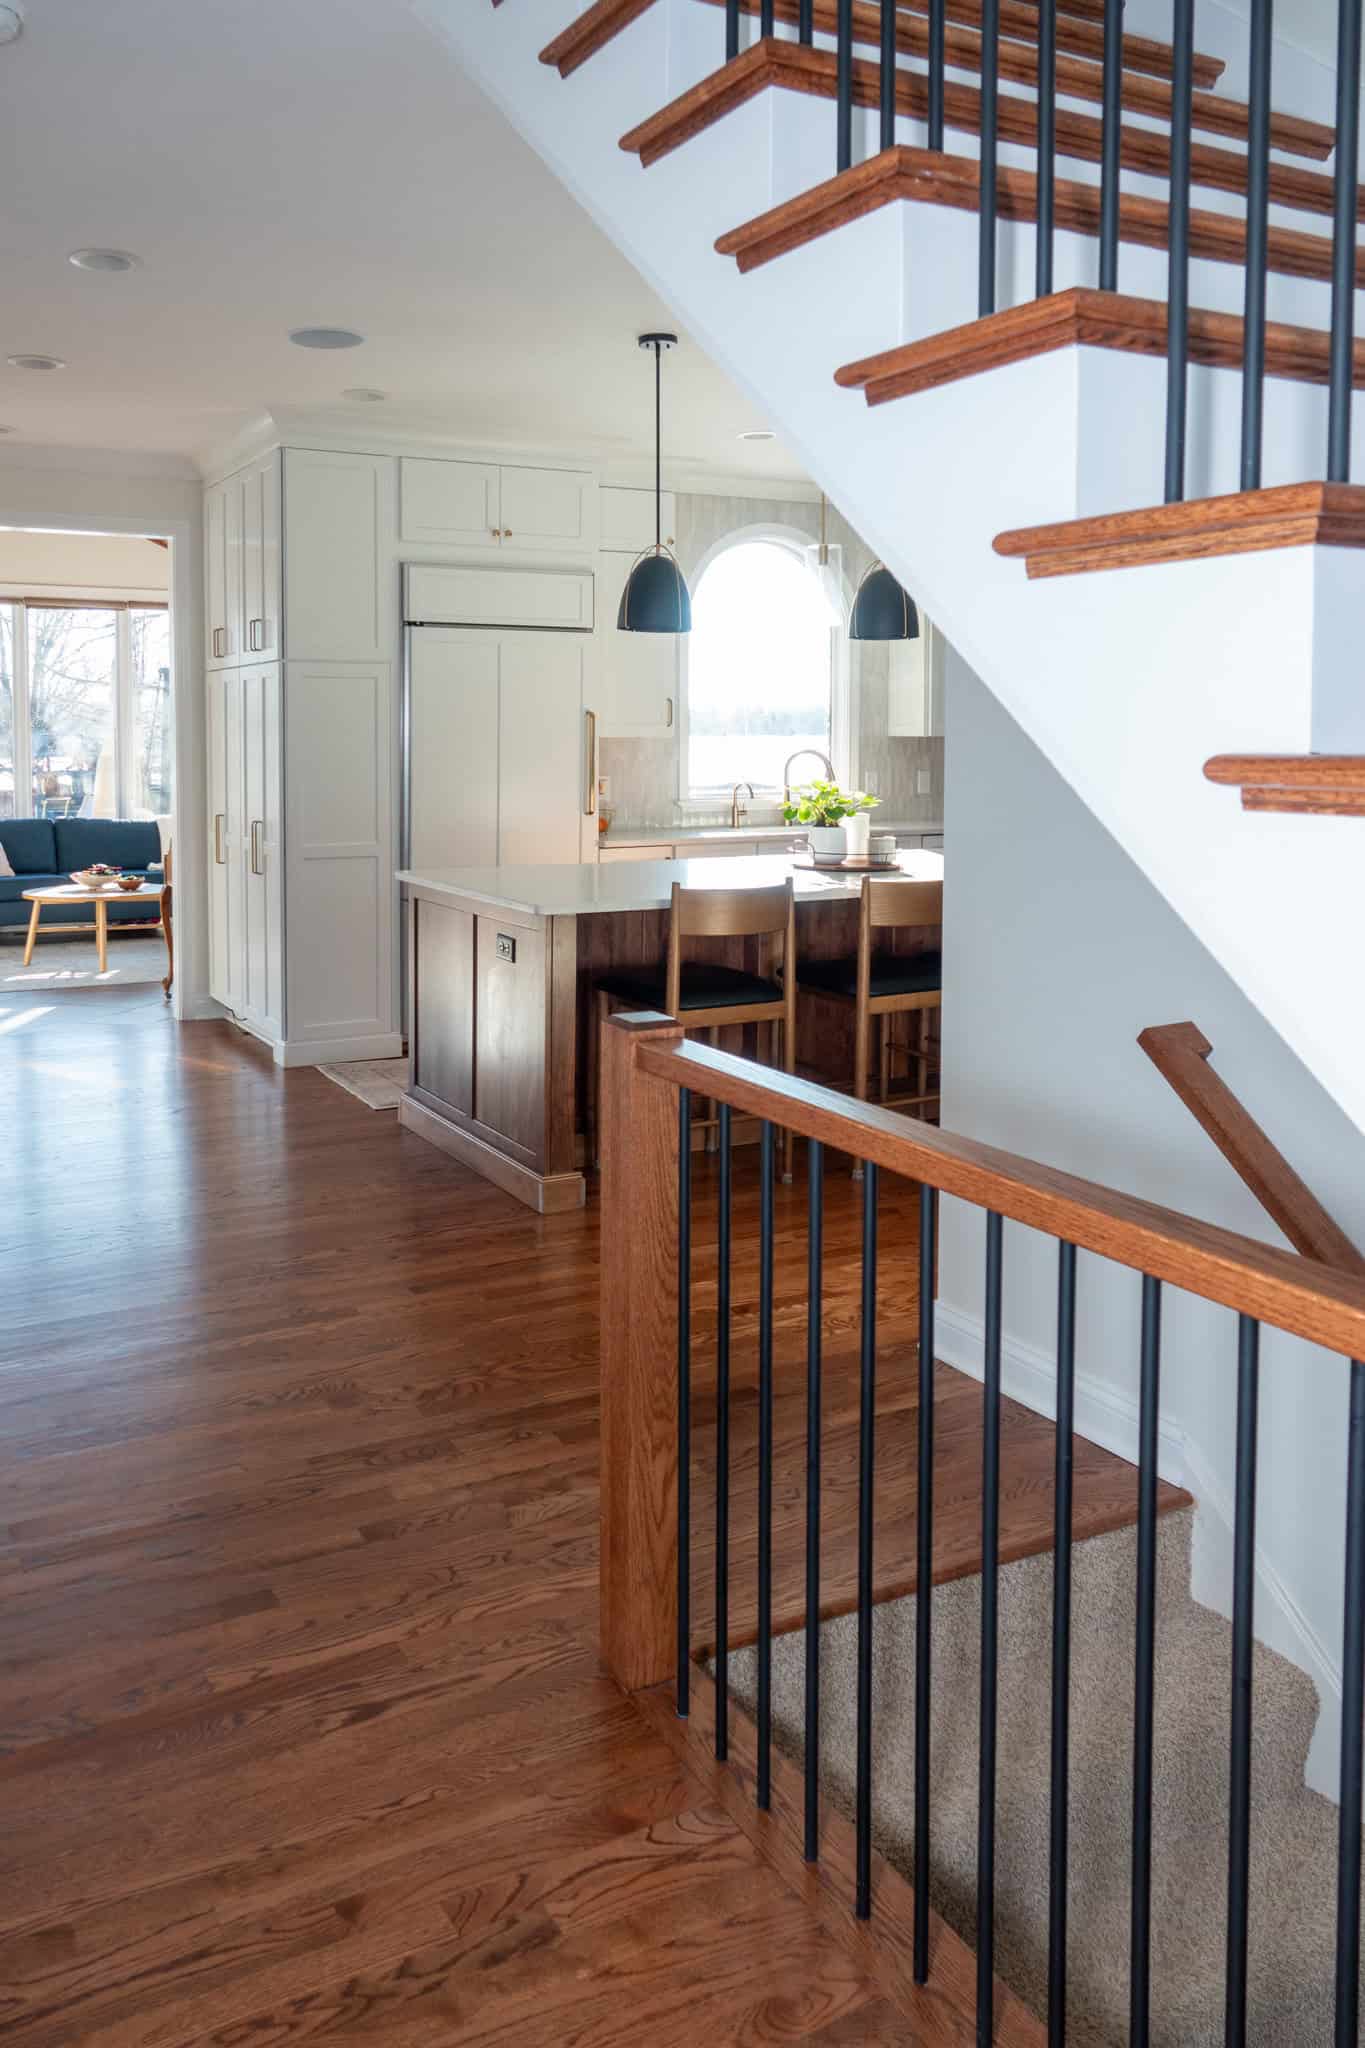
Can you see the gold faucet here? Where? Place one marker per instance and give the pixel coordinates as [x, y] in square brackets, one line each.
[734, 803]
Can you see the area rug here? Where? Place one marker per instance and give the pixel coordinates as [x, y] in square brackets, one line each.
[378, 1084]
[74, 963]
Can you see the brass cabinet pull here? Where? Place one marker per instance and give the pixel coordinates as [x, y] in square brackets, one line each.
[669, 720]
[590, 798]
[257, 635]
[257, 825]
[507, 533]
[218, 853]
[219, 642]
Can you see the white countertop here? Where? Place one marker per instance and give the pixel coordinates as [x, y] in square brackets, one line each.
[618, 886]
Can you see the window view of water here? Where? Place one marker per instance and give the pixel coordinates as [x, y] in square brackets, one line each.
[759, 669]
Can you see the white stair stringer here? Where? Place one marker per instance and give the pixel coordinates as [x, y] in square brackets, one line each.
[1127, 680]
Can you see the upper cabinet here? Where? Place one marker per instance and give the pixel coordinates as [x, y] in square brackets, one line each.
[914, 706]
[242, 565]
[638, 672]
[337, 518]
[485, 505]
[628, 520]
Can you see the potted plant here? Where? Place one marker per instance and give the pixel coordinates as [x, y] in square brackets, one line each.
[826, 811]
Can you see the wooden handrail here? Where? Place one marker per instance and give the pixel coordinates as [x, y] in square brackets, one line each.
[1180, 1053]
[1320, 1303]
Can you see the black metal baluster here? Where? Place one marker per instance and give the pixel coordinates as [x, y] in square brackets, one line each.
[816, 1192]
[763, 1703]
[1178, 274]
[1112, 118]
[1344, 242]
[1347, 2031]
[805, 22]
[1258, 215]
[1061, 1646]
[723, 1442]
[1140, 1956]
[766, 24]
[867, 1424]
[938, 37]
[844, 87]
[924, 1574]
[1047, 144]
[1243, 1605]
[888, 73]
[731, 30]
[990, 152]
[990, 1635]
[684, 1397]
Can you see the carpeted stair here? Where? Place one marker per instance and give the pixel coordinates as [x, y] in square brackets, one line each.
[1294, 1830]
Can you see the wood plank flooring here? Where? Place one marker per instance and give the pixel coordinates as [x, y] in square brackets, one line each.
[303, 1734]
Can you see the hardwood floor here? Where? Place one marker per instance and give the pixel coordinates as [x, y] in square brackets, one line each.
[302, 1730]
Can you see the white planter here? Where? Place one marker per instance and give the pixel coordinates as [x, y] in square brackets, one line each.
[855, 831]
[826, 839]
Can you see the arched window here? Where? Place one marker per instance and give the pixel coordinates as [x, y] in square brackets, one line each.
[762, 661]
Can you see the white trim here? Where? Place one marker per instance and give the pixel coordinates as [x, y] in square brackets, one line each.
[319, 1052]
[203, 1010]
[89, 593]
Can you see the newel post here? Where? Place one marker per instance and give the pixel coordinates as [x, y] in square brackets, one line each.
[638, 1135]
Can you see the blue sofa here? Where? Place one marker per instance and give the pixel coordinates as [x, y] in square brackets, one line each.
[46, 851]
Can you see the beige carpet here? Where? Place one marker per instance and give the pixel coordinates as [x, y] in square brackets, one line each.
[1294, 1830]
[379, 1084]
[73, 963]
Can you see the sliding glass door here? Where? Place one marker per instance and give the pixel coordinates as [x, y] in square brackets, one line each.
[85, 710]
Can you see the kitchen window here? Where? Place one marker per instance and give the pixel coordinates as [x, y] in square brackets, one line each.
[85, 709]
[764, 670]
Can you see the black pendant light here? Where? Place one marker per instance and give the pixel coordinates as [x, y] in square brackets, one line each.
[655, 599]
[882, 609]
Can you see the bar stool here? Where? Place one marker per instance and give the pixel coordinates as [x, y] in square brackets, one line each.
[883, 985]
[705, 996]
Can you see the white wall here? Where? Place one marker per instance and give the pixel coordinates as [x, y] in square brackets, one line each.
[115, 565]
[91, 491]
[1058, 952]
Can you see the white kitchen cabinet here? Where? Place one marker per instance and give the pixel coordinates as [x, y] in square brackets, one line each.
[914, 708]
[453, 717]
[225, 797]
[610, 853]
[501, 594]
[546, 775]
[639, 672]
[448, 503]
[626, 519]
[263, 866]
[260, 625]
[339, 603]
[223, 573]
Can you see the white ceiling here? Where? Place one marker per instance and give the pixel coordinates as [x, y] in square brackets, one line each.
[287, 163]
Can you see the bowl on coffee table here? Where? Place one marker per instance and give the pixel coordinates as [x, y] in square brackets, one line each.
[100, 876]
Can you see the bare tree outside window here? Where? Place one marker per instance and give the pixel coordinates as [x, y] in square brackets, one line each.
[7, 770]
[72, 656]
[150, 783]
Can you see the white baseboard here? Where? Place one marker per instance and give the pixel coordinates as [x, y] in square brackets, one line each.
[1104, 1415]
[201, 1010]
[1109, 1418]
[320, 1052]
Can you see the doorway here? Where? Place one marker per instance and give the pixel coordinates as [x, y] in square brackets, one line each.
[87, 760]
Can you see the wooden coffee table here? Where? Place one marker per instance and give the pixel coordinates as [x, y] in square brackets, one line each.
[67, 893]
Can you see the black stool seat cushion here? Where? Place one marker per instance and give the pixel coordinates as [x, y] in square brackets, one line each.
[702, 987]
[915, 974]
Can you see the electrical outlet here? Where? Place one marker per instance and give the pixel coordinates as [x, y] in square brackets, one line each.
[604, 789]
[507, 949]
[924, 781]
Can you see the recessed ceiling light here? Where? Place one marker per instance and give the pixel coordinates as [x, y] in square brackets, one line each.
[759, 434]
[364, 394]
[325, 337]
[104, 259]
[35, 362]
[11, 22]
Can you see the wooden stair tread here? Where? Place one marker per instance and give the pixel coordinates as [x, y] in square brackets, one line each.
[599, 24]
[798, 67]
[1082, 316]
[921, 175]
[1105, 1491]
[1325, 785]
[1243, 522]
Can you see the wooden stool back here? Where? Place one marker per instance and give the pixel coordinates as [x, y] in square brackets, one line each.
[732, 914]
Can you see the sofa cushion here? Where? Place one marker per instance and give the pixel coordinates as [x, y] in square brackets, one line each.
[31, 844]
[123, 842]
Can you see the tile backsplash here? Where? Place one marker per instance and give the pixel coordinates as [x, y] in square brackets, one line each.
[643, 774]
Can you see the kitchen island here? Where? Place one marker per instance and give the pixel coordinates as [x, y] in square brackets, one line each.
[501, 966]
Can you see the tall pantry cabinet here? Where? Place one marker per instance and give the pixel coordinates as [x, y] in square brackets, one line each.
[301, 719]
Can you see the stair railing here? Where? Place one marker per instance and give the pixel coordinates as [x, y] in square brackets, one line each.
[650, 1076]
[947, 105]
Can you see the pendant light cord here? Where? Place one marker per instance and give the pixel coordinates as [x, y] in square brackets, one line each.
[658, 447]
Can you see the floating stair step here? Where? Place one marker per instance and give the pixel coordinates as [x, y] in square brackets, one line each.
[1327, 785]
[600, 23]
[1087, 318]
[932, 180]
[1244, 522]
[799, 67]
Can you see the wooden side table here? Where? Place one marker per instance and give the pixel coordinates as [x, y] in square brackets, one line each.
[68, 893]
